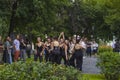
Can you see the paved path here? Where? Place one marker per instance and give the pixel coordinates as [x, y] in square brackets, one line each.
[89, 65]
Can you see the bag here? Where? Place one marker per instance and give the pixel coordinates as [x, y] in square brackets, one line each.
[56, 51]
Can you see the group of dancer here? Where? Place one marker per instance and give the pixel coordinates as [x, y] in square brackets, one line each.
[55, 50]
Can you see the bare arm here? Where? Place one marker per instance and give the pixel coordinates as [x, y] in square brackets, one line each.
[66, 48]
[59, 37]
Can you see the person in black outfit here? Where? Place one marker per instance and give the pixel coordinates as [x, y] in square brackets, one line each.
[88, 51]
[39, 49]
[64, 52]
[48, 50]
[28, 48]
[56, 51]
[22, 50]
[78, 55]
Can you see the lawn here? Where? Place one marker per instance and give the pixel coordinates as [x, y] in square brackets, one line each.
[93, 77]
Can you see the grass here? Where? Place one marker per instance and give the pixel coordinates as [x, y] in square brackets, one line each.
[93, 77]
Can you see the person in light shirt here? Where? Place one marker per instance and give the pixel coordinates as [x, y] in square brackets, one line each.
[16, 48]
[94, 48]
[83, 44]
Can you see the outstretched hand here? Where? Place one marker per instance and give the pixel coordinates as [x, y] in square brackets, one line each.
[62, 33]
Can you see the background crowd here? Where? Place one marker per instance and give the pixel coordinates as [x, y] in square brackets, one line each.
[57, 50]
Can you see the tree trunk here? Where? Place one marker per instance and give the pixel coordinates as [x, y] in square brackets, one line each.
[14, 8]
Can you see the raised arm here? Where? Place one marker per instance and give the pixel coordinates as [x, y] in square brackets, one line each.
[66, 48]
[61, 35]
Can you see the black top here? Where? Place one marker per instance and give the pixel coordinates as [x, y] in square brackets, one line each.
[62, 50]
[39, 49]
[88, 45]
[22, 46]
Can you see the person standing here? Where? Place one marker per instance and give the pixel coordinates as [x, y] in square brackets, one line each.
[56, 51]
[8, 48]
[117, 46]
[64, 52]
[39, 50]
[1, 50]
[72, 58]
[16, 48]
[48, 50]
[78, 51]
[88, 50]
[94, 48]
[22, 50]
[28, 48]
[63, 49]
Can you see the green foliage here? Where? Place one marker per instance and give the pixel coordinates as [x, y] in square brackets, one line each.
[3, 27]
[84, 17]
[109, 64]
[93, 77]
[38, 71]
[104, 48]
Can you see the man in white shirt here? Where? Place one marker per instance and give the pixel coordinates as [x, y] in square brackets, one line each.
[16, 48]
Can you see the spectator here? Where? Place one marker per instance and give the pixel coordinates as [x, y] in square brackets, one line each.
[94, 48]
[8, 47]
[16, 48]
[117, 46]
[22, 50]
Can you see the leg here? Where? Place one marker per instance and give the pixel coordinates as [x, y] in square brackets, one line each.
[1, 57]
[10, 57]
[58, 59]
[24, 55]
[46, 57]
[35, 57]
[21, 54]
[79, 61]
[40, 58]
[64, 58]
[72, 60]
[28, 54]
[16, 56]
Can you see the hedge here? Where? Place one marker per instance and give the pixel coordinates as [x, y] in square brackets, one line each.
[38, 71]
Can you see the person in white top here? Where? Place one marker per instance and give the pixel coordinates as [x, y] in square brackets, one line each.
[16, 48]
[94, 47]
[83, 44]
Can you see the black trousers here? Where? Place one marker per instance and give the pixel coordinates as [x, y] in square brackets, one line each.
[89, 51]
[79, 59]
[72, 61]
[36, 56]
[28, 53]
[47, 57]
[78, 56]
[62, 56]
[56, 58]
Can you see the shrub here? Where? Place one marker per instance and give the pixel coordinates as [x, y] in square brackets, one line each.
[105, 48]
[109, 63]
[38, 71]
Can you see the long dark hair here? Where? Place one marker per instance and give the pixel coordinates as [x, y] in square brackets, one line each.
[77, 41]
